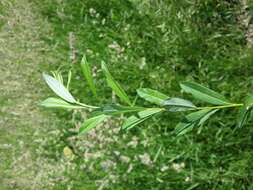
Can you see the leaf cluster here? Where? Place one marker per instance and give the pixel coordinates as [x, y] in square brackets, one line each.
[138, 114]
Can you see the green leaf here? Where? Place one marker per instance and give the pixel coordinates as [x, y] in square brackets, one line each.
[58, 103]
[178, 104]
[91, 123]
[243, 116]
[193, 119]
[115, 85]
[190, 121]
[58, 88]
[152, 96]
[207, 116]
[245, 111]
[88, 75]
[114, 109]
[248, 101]
[198, 115]
[69, 78]
[183, 127]
[142, 116]
[205, 94]
[58, 76]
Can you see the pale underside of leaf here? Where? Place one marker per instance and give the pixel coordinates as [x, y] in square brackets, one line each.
[58, 103]
[205, 94]
[152, 96]
[58, 88]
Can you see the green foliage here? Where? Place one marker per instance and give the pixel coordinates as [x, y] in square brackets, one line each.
[91, 123]
[194, 119]
[245, 111]
[58, 88]
[119, 91]
[178, 104]
[164, 43]
[243, 116]
[141, 117]
[88, 75]
[58, 103]
[116, 109]
[152, 96]
[172, 104]
[203, 93]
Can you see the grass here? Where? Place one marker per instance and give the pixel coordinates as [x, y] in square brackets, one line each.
[23, 125]
[157, 45]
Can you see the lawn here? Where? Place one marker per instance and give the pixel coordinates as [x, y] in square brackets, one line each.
[153, 44]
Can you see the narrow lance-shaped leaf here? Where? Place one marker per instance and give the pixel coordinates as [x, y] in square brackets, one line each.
[194, 116]
[58, 88]
[243, 117]
[189, 122]
[91, 123]
[207, 116]
[58, 76]
[152, 96]
[193, 119]
[205, 94]
[114, 109]
[178, 104]
[245, 111]
[88, 75]
[115, 85]
[69, 79]
[183, 127]
[142, 116]
[58, 103]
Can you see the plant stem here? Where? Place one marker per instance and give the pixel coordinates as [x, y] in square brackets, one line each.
[221, 107]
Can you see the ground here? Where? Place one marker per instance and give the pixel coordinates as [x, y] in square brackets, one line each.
[23, 54]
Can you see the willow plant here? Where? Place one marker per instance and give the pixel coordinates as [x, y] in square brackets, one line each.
[138, 114]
